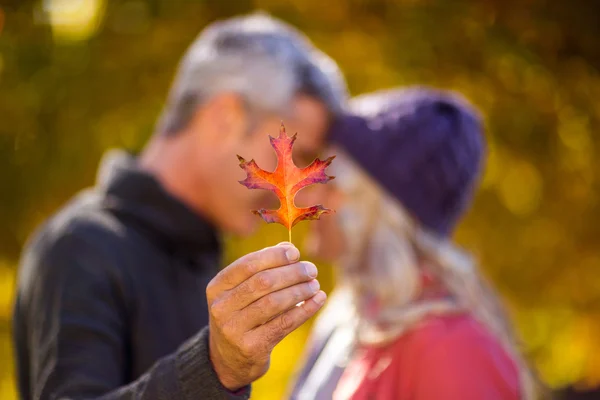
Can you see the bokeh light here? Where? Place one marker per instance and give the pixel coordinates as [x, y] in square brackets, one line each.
[73, 20]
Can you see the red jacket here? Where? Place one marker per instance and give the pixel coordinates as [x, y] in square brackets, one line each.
[447, 358]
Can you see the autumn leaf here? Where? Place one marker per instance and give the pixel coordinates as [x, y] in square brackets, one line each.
[286, 181]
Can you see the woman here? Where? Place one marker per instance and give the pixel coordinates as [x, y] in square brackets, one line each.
[411, 317]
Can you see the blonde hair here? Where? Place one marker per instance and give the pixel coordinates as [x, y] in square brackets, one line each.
[386, 248]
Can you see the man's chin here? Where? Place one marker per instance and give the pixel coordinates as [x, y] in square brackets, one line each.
[245, 227]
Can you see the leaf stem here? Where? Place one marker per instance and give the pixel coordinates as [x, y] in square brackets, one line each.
[290, 234]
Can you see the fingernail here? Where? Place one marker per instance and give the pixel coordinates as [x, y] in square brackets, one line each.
[320, 297]
[314, 285]
[292, 254]
[311, 269]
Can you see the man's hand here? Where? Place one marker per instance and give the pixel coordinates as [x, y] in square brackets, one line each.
[252, 305]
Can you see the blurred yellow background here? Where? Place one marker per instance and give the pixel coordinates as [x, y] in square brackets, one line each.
[80, 76]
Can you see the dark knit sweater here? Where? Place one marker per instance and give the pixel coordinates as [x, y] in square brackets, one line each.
[111, 298]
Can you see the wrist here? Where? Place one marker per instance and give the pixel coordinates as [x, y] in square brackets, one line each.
[224, 373]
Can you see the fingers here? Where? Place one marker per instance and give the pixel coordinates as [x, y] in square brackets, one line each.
[273, 304]
[275, 330]
[253, 263]
[269, 281]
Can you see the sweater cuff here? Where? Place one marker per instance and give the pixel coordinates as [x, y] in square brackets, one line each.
[197, 376]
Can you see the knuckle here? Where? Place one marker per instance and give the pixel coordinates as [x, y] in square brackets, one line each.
[311, 287]
[252, 267]
[285, 323]
[223, 277]
[277, 332]
[299, 293]
[302, 293]
[308, 309]
[272, 301]
[212, 290]
[264, 282]
[229, 330]
[246, 349]
[271, 256]
[242, 290]
[216, 309]
[269, 251]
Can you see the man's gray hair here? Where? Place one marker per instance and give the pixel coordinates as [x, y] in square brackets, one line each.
[264, 60]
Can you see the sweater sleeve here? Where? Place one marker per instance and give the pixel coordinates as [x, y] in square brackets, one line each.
[466, 367]
[187, 374]
[77, 330]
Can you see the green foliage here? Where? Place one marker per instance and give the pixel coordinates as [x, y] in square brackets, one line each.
[69, 92]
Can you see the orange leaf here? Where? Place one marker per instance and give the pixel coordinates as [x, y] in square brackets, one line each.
[285, 182]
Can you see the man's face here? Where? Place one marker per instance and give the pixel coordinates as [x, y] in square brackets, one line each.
[231, 203]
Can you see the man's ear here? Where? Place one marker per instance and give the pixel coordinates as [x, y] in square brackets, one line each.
[226, 118]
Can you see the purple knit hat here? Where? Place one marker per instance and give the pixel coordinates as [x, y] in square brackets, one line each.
[425, 146]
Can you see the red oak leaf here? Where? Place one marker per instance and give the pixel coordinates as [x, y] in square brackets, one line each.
[285, 182]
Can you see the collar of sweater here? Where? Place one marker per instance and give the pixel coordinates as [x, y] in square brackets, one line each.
[136, 195]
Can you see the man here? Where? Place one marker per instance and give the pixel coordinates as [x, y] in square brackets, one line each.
[114, 292]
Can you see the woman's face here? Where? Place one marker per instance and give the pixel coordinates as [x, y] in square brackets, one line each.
[326, 240]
